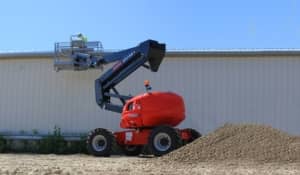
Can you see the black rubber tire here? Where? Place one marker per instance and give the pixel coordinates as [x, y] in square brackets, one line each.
[173, 134]
[109, 140]
[194, 133]
[133, 150]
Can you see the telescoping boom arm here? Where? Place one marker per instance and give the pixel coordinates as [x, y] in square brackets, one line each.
[148, 54]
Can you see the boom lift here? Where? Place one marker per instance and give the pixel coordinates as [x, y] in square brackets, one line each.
[150, 118]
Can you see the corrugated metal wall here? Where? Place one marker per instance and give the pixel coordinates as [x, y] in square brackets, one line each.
[262, 89]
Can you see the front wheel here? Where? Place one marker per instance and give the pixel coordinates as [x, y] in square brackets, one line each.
[163, 139]
[100, 142]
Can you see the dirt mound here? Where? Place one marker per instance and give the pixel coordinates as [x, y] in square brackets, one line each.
[246, 142]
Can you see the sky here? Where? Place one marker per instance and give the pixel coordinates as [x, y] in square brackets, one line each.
[35, 25]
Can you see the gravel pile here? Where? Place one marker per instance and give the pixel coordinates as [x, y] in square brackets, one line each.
[240, 142]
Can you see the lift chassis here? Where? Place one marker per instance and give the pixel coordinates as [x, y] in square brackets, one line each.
[149, 118]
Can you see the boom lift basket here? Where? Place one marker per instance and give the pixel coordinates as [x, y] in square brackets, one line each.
[66, 52]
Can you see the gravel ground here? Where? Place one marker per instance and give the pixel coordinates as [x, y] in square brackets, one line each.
[241, 141]
[84, 164]
[231, 149]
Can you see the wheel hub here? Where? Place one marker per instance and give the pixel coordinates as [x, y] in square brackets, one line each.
[99, 143]
[162, 142]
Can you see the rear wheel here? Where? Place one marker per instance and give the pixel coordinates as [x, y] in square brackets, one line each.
[132, 150]
[163, 139]
[99, 142]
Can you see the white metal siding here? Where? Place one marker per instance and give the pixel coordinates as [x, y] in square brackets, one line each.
[216, 90]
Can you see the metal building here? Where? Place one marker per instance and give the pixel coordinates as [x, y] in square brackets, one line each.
[218, 87]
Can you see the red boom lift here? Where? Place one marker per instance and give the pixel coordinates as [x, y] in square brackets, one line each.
[150, 118]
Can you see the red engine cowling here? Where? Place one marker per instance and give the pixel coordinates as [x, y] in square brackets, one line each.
[153, 109]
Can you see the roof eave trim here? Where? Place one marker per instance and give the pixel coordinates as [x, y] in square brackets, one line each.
[171, 53]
